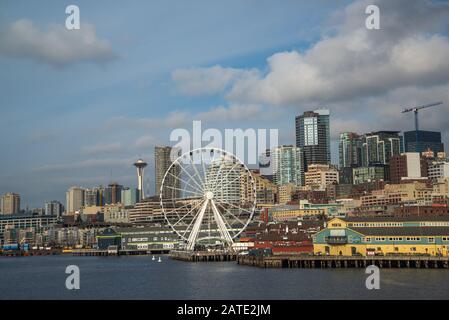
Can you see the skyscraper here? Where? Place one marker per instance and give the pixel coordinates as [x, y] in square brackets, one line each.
[426, 140]
[74, 199]
[288, 165]
[313, 137]
[10, 203]
[378, 147]
[350, 150]
[162, 161]
[350, 155]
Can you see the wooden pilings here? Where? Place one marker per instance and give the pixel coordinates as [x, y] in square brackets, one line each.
[203, 256]
[336, 262]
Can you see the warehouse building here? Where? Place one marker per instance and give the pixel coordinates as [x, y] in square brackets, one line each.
[365, 236]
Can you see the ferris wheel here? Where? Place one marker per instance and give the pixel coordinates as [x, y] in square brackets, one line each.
[208, 197]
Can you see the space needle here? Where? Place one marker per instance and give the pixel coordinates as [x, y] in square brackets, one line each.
[140, 165]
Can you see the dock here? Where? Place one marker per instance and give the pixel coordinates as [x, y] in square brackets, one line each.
[334, 262]
[203, 256]
[104, 253]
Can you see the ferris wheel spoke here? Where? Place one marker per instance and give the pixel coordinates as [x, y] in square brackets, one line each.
[176, 209]
[201, 189]
[180, 199]
[204, 169]
[197, 173]
[228, 211]
[234, 206]
[238, 178]
[231, 228]
[183, 190]
[193, 208]
[186, 183]
[191, 222]
[227, 174]
[217, 174]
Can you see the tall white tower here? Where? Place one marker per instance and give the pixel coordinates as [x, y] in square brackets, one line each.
[140, 165]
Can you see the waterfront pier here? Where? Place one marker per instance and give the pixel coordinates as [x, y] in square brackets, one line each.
[203, 256]
[95, 252]
[336, 262]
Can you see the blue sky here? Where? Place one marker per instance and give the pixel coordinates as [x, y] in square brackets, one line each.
[78, 106]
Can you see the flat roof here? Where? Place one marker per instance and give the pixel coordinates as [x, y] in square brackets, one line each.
[397, 219]
[404, 231]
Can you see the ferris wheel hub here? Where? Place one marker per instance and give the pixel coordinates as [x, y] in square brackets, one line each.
[209, 195]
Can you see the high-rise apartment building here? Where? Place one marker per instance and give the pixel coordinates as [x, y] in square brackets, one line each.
[350, 150]
[420, 141]
[74, 199]
[225, 178]
[10, 203]
[53, 208]
[350, 155]
[162, 161]
[379, 147]
[288, 164]
[313, 137]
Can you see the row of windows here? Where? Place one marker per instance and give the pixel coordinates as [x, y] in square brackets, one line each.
[379, 239]
[376, 224]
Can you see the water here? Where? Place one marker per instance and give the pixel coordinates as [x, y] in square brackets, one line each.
[138, 277]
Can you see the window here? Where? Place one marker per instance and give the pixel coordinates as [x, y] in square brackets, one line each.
[431, 240]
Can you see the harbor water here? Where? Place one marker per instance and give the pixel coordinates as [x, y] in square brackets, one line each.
[140, 277]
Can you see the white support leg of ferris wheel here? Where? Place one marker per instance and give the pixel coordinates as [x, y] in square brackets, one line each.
[196, 227]
[221, 225]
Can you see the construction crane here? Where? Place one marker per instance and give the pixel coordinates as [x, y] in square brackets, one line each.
[416, 109]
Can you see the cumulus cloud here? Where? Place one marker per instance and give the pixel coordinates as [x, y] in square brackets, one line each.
[56, 46]
[212, 80]
[352, 63]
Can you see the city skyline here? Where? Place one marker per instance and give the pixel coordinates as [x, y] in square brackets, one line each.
[107, 105]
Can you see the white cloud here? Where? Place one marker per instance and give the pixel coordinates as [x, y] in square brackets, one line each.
[352, 63]
[212, 80]
[56, 46]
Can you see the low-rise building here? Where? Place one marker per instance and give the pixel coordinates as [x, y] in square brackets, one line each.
[139, 238]
[367, 236]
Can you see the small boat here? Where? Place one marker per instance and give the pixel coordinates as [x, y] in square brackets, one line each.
[159, 260]
[153, 258]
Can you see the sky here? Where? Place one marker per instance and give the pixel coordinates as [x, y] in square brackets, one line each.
[78, 107]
